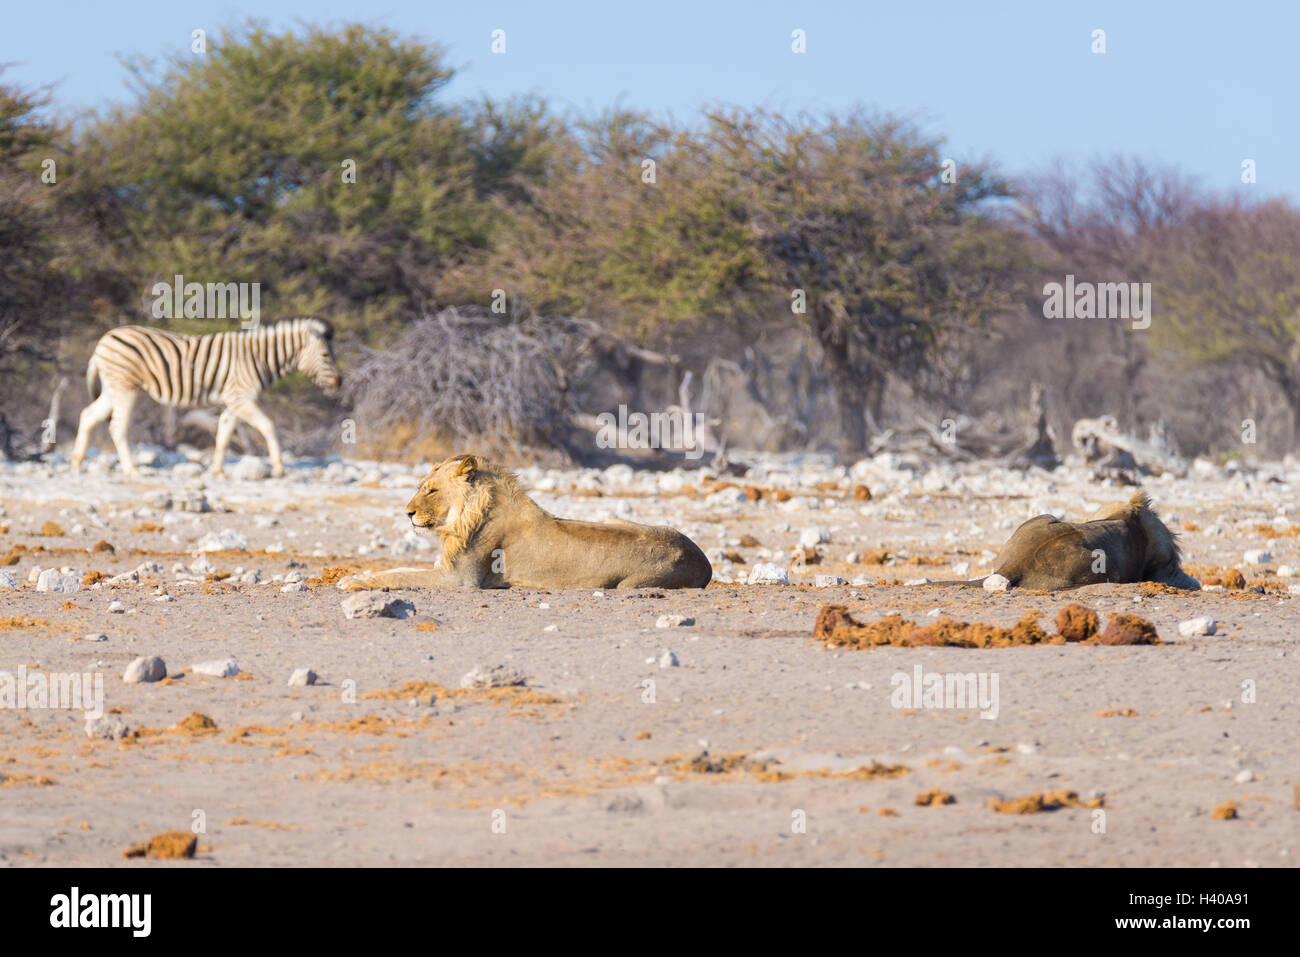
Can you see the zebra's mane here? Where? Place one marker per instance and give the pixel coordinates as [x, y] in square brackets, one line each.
[321, 327]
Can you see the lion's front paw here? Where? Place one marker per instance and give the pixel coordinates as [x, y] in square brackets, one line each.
[354, 582]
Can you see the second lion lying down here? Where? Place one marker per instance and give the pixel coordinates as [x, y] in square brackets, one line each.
[1121, 543]
[495, 536]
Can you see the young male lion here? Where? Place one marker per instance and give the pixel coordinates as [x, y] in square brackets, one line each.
[494, 536]
[1120, 543]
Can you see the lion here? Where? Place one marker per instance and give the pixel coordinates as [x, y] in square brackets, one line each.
[1120, 543]
[495, 536]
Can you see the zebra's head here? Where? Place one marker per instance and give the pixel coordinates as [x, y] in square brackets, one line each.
[316, 358]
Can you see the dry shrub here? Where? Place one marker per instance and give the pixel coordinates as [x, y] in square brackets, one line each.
[469, 378]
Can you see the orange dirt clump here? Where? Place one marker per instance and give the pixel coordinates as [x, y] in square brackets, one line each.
[148, 527]
[1128, 630]
[1040, 801]
[51, 530]
[887, 812]
[805, 556]
[13, 623]
[877, 556]
[643, 735]
[1117, 713]
[1160, 588]
[1191, 527]
[836, 628]
[862, 493]
[959, 634]
[749, 541]
[330, 575]
[167, 845]
[92, 576]
[1077, 622]
[427, 626]
[1233, 580]
[196, 723]
[934, 797]
[103, 546]
[12, 556]
[1227, 811]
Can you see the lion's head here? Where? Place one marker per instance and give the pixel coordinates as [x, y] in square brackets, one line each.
[1162, 556]
[456, 497]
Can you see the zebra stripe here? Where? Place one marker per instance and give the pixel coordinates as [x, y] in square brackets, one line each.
[227, 368]
[187, 371]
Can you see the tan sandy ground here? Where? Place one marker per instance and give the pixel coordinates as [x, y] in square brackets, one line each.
[580, 768]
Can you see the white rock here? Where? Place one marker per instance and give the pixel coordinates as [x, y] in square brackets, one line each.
[1257, 556]
[1285, 571]
[410, 543]
[149, 568]
[147, 669]
[296, 586]
[673, 621]
[302, 677]
[372, 605]
[812, 537]
[913, 582]
[250, 469]
[34, 575]
[126, 578]
[116, 607]
[768, 573]
[56, 581]
[95, 637]
[224, 540]
[108, 726]
[496, 676]
[218, 668]
[7, 580]
[827, 581]
[1200, 625]
[996, 583]
[1245, 777]
[667, 659]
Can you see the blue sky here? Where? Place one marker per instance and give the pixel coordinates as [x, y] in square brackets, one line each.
[1197, 85]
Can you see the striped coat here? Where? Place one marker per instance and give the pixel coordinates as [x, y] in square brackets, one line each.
[225, 368]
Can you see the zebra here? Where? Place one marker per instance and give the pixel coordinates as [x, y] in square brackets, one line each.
[226, 368]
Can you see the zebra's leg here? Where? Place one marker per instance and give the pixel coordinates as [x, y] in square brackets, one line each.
[119, 426]
[225, 426]
[254, 416]
[91, 416]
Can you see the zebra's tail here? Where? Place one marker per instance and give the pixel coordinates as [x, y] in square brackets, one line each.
[92, 378]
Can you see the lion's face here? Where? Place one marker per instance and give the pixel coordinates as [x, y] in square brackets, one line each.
[442, 493]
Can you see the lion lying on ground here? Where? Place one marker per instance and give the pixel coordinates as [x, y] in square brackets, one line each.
[1121, 543]
[494, 536]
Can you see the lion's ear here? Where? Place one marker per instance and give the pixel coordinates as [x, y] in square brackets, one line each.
[468, 466]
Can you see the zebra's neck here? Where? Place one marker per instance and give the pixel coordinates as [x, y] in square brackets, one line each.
[274, 349]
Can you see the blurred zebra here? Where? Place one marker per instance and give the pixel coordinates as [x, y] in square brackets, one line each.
[224, 368]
